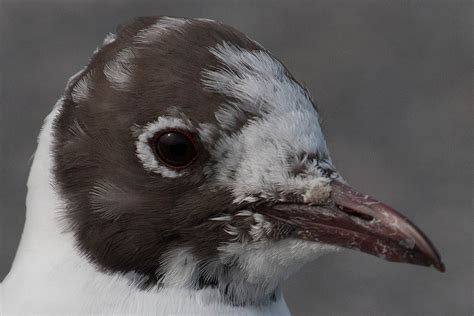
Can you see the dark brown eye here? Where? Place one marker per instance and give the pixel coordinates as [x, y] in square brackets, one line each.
[175, 148]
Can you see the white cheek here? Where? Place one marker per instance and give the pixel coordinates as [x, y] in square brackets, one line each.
[257, 164]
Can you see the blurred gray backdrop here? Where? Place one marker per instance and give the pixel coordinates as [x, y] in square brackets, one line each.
[393, 80]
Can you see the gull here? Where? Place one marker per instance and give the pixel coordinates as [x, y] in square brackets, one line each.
[184, 172]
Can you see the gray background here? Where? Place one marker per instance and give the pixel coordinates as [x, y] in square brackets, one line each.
[393, 81]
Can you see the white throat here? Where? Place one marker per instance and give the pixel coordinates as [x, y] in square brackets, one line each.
[49, 275]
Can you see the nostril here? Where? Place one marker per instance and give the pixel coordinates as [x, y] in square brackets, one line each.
[355, 213]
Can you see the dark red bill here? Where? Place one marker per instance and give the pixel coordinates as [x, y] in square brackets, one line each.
[357, 221]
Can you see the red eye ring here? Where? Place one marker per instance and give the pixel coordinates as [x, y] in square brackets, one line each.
[175, 148]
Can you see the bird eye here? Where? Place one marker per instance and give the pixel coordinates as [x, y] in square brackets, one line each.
[175, 149]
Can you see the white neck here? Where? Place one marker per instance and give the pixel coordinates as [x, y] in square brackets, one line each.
[50, 276]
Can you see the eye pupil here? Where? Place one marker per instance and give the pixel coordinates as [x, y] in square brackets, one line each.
[175, 149]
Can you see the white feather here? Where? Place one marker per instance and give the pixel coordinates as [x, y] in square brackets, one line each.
[109, 39]
[156, 31]
[282, 123]
[119, 70]
[82, 89]
[263, 266]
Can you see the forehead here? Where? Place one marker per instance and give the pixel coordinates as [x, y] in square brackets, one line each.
[152, 65]
[160, 66]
